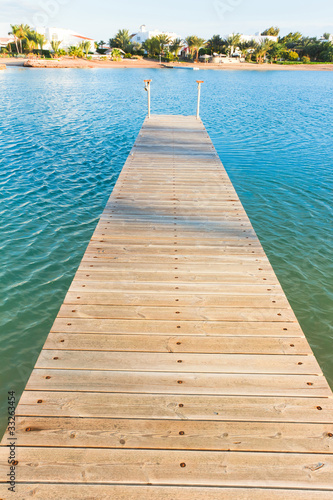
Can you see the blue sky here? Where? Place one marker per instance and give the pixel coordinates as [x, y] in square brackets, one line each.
[102, 19]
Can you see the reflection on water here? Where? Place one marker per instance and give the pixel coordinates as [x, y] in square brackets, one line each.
[65, 135]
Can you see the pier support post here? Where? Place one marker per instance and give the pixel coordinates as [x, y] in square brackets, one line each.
[199, 82]
[147, 88]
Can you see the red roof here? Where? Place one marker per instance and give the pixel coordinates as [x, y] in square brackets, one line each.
[84, 37]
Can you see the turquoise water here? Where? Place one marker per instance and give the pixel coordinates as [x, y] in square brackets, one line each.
[65, 135]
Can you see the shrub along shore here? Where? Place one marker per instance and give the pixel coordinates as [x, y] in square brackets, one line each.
[293, 48]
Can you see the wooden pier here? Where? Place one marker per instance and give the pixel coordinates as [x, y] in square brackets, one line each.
[176, 368]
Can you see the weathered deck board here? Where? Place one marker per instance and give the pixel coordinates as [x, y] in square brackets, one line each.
[175, 360]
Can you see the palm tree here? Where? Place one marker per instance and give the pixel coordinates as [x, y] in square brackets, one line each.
[216, 44]
[262, 50]
[14, 32]
[40, 40]
[22, 31]
[176, 46]
[75, 51]
[232, 42]
[276, 51]
[85, 46]
[30, 45]
[55, 44]
[152, 46]
[197, 43]
[116, 54]
[246, 48]
[190, 44]
[164, 41]
[122, 40]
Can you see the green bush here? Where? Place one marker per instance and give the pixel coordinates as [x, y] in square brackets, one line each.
[292, 56]
[169, 57]
[306, 60]
[128, 56]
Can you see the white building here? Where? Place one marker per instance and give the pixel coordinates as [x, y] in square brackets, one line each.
[258, 38]
[66, 37]
[5, 40]
[329, 39]
[144, 34]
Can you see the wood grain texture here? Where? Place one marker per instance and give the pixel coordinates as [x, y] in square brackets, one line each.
[56, 491]
[176, 368]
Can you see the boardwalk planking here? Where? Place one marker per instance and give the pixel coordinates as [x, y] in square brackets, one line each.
[175, 360]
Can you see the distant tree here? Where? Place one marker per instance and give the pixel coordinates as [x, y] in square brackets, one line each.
[164, 41]
[23, 30]
[190, 44]
[194, 44]
[75, 51]
[292, 56]
[121, 40]
[55, 44]
[232, 42]
[326, 36]
[291, 39]
[276, 51]
[152, 47]
[272, 31]
[326, 54]
[246, 48]
[262, 50]
[85, 46]
[216, 44]
[116, 54]
[176, 46]
[14, 32]
[30, 45]
[40, 40]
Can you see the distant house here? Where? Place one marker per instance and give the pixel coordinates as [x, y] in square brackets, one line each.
[329, 39]
[258, 38]
[65, 36]
[5, 40]
[143, 34]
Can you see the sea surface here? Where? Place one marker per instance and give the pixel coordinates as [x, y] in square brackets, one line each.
[64, 136]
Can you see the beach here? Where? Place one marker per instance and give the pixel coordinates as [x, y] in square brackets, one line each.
[68, 62]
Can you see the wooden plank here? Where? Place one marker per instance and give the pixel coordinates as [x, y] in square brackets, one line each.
[165, 467]
[179, 290]
[174, 343]
[174, 383]
[217, 268]
[178, 277]
[178, 362]
[152, 299]
[173, 435]
[214, 328]
[179, 407]
[56, 491]
[177, 313]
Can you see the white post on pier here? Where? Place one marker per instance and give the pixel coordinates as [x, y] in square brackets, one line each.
[147, 88]
[199, 82]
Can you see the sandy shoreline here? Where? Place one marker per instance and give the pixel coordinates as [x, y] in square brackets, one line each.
[146, 63]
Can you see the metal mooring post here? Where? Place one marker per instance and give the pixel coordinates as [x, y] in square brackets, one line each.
[199, 82]
[147, 88]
